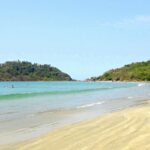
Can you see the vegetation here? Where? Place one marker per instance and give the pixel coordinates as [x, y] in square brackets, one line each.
[26, 71]
[139, 71]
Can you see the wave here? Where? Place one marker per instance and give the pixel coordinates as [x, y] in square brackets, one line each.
[19, 95]
[130, 97]
[33, 94]
[90, 105]
[141, 84]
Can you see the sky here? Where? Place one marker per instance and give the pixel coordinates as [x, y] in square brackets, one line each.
[83, 38]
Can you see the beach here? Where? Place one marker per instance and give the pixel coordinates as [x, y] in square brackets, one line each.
[75, 75]
[128, 129]
[74, 115]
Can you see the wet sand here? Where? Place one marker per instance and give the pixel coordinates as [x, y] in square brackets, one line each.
[128, 129]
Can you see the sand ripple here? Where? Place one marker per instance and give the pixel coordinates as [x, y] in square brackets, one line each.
[125, 130]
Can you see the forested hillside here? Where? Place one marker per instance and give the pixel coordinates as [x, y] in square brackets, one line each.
[139, 71]
[26, 71]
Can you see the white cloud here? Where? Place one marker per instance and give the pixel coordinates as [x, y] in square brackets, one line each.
[143, 19]
[136, 21]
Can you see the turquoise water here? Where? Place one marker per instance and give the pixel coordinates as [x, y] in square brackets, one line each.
[13, 90]
[36, 107]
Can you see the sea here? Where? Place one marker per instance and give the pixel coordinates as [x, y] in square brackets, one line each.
[30, 109]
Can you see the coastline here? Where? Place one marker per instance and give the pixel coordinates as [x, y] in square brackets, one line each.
[124, 129]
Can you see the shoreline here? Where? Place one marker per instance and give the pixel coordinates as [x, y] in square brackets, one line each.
[40, 115]
[128, 128]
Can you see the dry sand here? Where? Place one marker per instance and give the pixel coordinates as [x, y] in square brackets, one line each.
[123, 130]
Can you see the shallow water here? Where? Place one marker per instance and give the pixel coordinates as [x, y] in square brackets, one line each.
[29, 109]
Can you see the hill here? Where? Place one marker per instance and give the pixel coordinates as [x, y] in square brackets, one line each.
[26, 71]
[139, 71]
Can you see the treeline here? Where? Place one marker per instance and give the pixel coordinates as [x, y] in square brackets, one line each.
[26, 71]
[139, 71]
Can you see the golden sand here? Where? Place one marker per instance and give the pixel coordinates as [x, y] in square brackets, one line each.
[124, 130]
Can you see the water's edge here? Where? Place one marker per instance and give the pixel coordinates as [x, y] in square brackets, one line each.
[34, 108]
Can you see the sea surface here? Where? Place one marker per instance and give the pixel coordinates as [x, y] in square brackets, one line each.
[30, 109]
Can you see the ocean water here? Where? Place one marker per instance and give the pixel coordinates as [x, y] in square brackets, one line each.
[29, 109]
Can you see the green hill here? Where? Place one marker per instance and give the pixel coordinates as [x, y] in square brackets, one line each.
[139, 71]
[26, 71]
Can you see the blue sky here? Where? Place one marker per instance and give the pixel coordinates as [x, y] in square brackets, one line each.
[82, 37]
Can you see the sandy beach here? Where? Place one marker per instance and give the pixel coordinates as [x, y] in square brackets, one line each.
[127, 129]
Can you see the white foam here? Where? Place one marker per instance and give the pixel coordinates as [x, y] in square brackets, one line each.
[130, 97]
[91, 104]
[141, 84]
